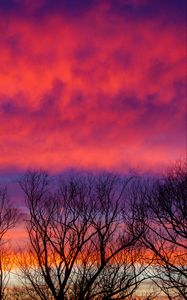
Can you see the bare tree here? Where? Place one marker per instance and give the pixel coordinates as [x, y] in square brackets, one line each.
[5, 270]
[118, 280]
[8, 214]
[82, 238]
[8, 218]
[17, 292]
[165, 215]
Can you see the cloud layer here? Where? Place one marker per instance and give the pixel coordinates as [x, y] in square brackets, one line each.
[94, 85]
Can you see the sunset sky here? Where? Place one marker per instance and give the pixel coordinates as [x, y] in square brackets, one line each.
[92, 84]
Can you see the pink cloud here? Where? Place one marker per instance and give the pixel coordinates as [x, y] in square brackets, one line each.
[98, 91]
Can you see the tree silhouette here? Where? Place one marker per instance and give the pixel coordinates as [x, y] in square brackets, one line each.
[165, 215]
[8, 218]
[83, 238]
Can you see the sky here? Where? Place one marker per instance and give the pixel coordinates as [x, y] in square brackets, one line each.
[92, 84]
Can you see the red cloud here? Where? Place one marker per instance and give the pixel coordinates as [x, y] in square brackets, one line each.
[99, 91]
